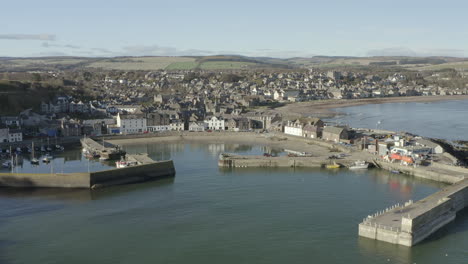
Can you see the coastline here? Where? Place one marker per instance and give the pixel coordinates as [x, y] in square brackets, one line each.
[324, 108]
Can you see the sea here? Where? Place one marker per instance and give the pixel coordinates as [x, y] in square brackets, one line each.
[210, 215]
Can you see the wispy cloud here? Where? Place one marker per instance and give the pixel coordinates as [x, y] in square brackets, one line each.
[49, 37]
[68, 46]
[403, 51]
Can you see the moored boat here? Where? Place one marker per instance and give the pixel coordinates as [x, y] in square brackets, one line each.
[359, 165]
[333, 165]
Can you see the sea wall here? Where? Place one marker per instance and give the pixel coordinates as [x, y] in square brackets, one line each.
[55, 180]
[421, 172]
[417, 221]
[132, 174]
[98, 179]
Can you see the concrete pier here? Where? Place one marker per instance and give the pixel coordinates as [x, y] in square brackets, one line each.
[99, 179]
[105, 150]
[412, 222]
[243, 161]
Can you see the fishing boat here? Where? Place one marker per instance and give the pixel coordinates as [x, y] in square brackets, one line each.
[34, 161]
[359, 165]
[333, 165]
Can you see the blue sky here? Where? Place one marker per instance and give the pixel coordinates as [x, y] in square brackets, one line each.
[253, 28]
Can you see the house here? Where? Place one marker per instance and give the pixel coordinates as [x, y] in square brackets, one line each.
[197, 126]
[157, 119]
[293, 128]
[128, 124]
[69, 129]
[215, 123]
[313, 128]
[333, 133]
[11, 121]
[435, 148]
[176, 125]
[159, 128]
[15, 135]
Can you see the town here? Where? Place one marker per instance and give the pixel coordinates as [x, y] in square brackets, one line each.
[116, 102]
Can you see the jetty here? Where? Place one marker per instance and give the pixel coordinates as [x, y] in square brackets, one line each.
[104, 149]
[412, 222]
[146, 169]
[227, 160]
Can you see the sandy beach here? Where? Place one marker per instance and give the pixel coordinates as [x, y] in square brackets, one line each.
[324, 108]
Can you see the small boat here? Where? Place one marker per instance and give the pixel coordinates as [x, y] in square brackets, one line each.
[395, 171]
[6, 164]
[34, 161]
[333, 165]
[358, 165]
[58, 147]
[47, 158]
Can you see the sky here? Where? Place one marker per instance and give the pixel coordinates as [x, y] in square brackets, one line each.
[282, 29]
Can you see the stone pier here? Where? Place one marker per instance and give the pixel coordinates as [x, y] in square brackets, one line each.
[412, 222]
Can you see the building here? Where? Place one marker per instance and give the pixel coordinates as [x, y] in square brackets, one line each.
[15, 135]
[334, 133]
[159, 128]
[197, 126]
[313, 128]
[11, 121]
[215, 123]
[293, 128]
[176, 125]
[131, 124]
[435, 148]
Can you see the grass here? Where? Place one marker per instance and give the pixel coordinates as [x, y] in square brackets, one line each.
[222, 65]
[141, 63]
[189, 65]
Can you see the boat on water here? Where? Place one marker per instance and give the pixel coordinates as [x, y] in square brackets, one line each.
[34, 161]
[333, 165]
[6, 164]
[359, 165]
[47, 158]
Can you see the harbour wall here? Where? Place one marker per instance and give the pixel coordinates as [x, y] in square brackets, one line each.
[138, 173]
[410, 224]
[430, 173]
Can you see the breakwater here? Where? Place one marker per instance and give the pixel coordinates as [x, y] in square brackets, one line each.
[412, 222]
[133, 174]
[242, 161]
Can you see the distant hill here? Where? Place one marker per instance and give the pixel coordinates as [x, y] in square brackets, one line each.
[225, 62]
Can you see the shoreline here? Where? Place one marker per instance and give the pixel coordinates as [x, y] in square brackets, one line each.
[324, 108]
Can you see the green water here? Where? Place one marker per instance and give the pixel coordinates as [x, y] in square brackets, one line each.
[208, 215]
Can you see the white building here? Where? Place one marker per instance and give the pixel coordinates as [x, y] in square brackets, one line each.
[159, 128]
[130, 124]
[197, 126]
[176, 125]
[15, 135]
[293, 128]
[215, 123]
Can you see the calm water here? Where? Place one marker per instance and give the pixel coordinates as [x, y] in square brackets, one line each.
[445, 119]
[208, 215]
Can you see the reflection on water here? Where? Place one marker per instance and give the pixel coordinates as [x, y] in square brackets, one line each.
[80, 194]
